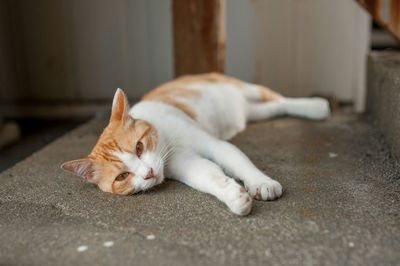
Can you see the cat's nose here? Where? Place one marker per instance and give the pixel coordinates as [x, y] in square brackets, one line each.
[149, 174]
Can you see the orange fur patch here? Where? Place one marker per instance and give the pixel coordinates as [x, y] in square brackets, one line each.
[213, 77]
[170, 93]
[268, 94]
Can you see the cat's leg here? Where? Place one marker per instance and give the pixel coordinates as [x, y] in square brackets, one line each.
[206, 176]
[265, 103]
[309, 108]
[239, 166]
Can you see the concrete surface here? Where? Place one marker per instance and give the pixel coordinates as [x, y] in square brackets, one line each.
[340, 207]
[383, 95]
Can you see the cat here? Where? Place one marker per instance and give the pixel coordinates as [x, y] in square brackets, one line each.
[180, 130]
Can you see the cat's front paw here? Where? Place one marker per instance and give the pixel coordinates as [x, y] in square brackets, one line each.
[239, 201]
[265, 190]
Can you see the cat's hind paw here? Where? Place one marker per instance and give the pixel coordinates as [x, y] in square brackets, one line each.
[267, 190]
[311, 108]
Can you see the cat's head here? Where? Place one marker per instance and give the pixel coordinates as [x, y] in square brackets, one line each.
[127, 157]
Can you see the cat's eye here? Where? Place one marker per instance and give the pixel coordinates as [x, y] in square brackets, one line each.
[139, 148]
[122, 176]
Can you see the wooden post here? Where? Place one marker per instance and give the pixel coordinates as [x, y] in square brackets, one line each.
[386, 13]
[199, 36]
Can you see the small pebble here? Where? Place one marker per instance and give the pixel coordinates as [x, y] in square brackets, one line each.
[332, 155]
[150, 237]
[82, 248]
[351, 244]
[108, 244]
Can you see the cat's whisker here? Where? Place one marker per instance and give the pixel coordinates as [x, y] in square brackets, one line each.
[168, 153]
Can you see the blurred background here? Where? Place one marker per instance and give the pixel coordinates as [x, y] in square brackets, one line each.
[61, 60]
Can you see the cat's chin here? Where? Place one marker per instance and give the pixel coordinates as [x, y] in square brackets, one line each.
[159, 180]
[148, 184]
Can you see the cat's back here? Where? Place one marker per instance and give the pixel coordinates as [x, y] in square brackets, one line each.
[214, 101]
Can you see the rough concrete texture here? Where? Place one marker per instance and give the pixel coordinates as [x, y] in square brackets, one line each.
[383, 95]
[340, 207]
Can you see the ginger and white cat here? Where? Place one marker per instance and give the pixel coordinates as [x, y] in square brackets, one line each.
[179, 130]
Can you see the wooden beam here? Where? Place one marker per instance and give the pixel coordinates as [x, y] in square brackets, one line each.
[385, 13]
[199, 36]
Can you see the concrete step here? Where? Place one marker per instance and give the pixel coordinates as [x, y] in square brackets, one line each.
[340, 206]
[383, 95]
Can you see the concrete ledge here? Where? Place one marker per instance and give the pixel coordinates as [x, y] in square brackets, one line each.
[340, 206]
[383, 95]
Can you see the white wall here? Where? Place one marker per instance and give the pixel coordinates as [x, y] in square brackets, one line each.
[300, 47]
[84, 49]
[124, 44]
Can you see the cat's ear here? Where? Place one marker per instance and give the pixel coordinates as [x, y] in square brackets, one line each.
[120, 107]
[81, 167]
